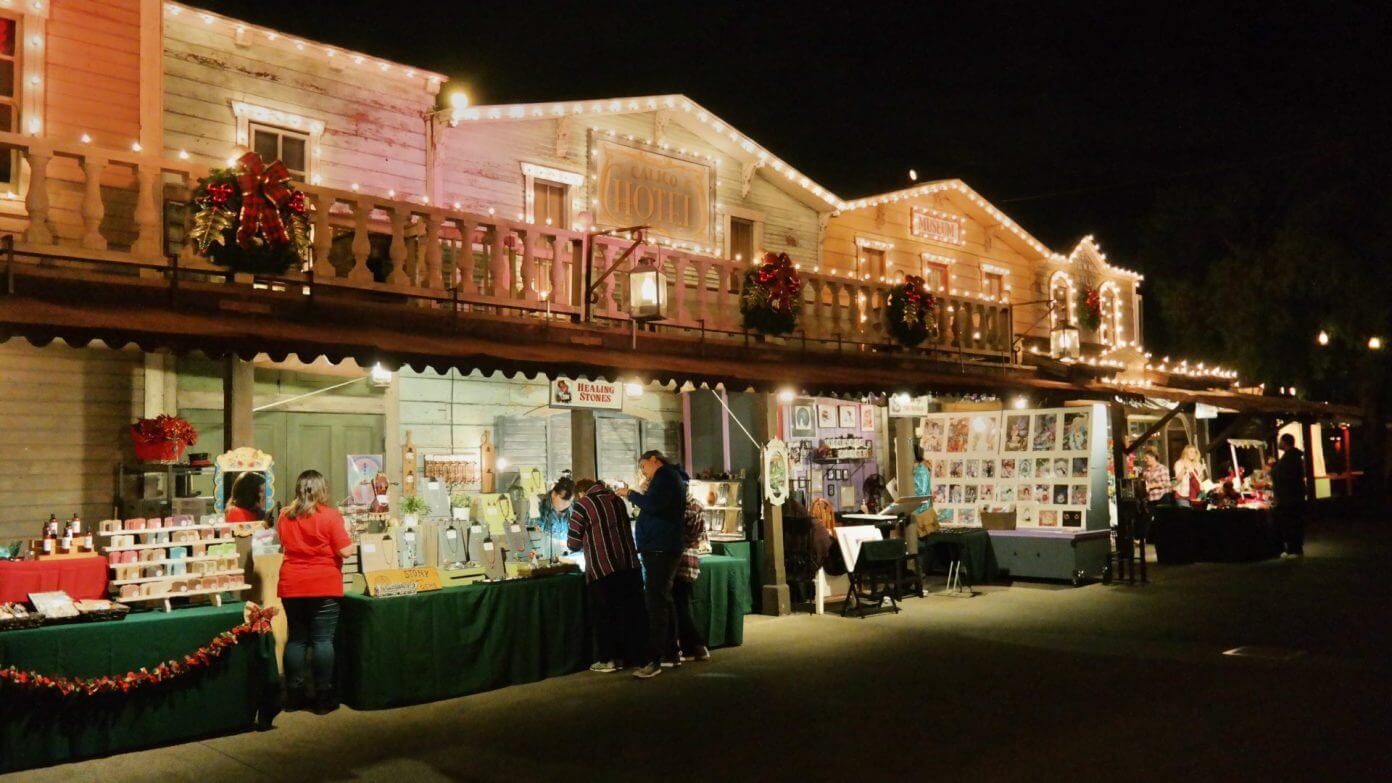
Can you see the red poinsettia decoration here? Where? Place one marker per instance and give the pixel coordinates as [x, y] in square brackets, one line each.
[173, 429]
[911, 312]
[772, 295]
[1090, 309]
[258, 624]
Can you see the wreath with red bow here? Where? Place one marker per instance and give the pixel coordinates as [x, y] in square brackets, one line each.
[771, 298]
[911, 313]
[250, 218]
[258, 624]
[1090, 309]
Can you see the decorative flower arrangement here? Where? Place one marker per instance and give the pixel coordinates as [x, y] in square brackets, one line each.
[257, 624]
[772, 296]
[911, 313]
[163, 438]
[1090, 309]
[250, 218]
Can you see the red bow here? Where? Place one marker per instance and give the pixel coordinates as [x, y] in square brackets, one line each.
[263, 192]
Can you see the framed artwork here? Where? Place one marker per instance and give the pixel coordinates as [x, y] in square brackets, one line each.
[1048, 518]
[1017, 432]
[932, 439]
[1043, 467]
[1045, 432]
[1072, 519]
[1078, 495]
[988, 468]
[958, 428]
[1060, 494]
[867, 418]
[817, 481]
[1080, 467]
[804, 423]
[1076, 430]
[849, 416]
[1007, 469]
[826, 416]
[777, 472]
[973, 468]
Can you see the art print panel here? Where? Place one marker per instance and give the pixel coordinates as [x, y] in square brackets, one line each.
[1006, 494]
[1026, 494]
[849, 416]
[804, 423]
[1080, 467]
[933, 441]
[973, 468]
[1078, 495]
[1060, 494]
[1017, 432]
[1072, 519]
[946, 516]
[1043, 467]
[954, 494]
[1045, 432]
[1061, 467]
[988, 468]
[958, 432]
[1048, 518]
[1026, 467]
[967, 517]
[867, 418]
[969, 493]
[955, 468]
[1076, 430]
[1007, 468]
[826, 416]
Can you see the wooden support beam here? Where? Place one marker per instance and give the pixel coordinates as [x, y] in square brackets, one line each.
[1183, 407]
[1235, 426]
[776, 598]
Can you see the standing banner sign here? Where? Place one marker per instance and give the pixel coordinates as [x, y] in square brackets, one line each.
[777, 472]
[592, 395]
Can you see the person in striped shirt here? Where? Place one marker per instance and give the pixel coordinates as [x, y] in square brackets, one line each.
[600, 527]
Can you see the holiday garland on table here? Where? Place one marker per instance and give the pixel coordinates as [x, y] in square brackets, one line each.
[258, 624]
[250, 218]
[772, 295]
[911, 313]
[1090, 309]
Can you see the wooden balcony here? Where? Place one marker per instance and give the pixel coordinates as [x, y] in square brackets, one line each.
[104, 204]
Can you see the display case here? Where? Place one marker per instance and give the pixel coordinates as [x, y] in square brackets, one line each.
[158, 489]
[723, 504]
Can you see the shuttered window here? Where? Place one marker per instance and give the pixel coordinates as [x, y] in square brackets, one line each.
[535, 441]
[741, 239]
[548, 203]
[874, 259]
[9, 96]
[286, 146]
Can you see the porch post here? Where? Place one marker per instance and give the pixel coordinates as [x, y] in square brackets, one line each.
[582, 445]
[776, 599]
[238, 386]
[903, 429]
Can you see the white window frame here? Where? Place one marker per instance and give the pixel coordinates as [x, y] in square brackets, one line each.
[753, 216]
[862, 244]
[248, 114]
[571, 180]
[31, 47]
[253, 126]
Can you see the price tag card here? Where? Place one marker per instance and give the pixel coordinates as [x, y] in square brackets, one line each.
[488, 546]
[451, 534]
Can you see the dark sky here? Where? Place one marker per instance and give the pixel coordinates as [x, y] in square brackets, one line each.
[1069, 117]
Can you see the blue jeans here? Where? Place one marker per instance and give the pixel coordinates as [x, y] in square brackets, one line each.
[312, 622]
[659, 575]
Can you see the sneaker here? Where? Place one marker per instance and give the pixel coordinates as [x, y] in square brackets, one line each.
[649, 671]
[605, 666]
[701, 654]
[671, 663]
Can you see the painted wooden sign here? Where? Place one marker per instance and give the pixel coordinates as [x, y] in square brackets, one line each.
[580, 393]
[639, 187]
[402, 581]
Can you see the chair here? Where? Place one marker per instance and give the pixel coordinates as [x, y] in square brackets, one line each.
[878, 574]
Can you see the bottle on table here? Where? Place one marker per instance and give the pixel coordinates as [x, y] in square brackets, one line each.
[50, 540]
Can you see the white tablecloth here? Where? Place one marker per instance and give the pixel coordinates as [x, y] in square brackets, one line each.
[850, 537]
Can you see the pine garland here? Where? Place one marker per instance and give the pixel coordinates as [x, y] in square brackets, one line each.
[771, 298]
[911, 313]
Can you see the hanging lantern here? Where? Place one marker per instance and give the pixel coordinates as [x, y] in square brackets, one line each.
[1064, 342]
[647, 292]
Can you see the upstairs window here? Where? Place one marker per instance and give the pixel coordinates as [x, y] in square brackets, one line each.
[992, 284]
[873, 260]
[741, 239]
[9, 96]
[549, 203]
[286, 146]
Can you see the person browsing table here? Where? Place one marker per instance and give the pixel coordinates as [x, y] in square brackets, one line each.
[659, 533]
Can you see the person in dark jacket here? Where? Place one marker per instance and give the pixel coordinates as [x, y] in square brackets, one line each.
[1288, 483]
[659, 533]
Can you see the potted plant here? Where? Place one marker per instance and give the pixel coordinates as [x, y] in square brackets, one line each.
[459, 506]
[162, 439]
[413, 507]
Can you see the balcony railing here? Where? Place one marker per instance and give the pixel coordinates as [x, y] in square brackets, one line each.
[481, 261]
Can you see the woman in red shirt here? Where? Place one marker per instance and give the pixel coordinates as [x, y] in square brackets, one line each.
[315, 541]
[248, 496]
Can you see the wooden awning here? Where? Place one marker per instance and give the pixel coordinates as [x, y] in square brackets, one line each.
[219, 320]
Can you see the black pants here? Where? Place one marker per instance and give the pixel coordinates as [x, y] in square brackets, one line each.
[617, 616]
[659, 572]
[688, 635]
[1290, 525]
[312, 623]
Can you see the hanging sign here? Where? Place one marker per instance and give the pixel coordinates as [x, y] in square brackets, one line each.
[1203, 410]
[777, 472]
[939, 226]
[903, 406]
[640, 187]
[580, 393]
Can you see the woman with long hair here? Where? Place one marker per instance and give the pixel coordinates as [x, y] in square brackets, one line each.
[1189, 474]
[315, 541]
[248, 502]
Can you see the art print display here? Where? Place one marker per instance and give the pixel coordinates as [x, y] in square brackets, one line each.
[804, 423]
[867, 418]
[1072, 519]
[1036, 463]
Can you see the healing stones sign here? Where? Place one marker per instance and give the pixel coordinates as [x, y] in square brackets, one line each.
[580, 393]
[639, 187]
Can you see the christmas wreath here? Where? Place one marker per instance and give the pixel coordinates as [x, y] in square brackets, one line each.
[250, 218]
[258, 624]
[1090, 309]
[772, 295]
[911, 313]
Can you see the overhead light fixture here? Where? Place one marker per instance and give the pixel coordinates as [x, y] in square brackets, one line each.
[1322, 338]
[786, 396]
[633, 389]
[380, 376]
[1020, 403]
[1375, 343]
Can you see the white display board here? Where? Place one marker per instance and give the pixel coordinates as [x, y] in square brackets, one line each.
[1036, 462]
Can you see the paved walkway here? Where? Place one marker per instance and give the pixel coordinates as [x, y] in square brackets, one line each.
[1027, 683]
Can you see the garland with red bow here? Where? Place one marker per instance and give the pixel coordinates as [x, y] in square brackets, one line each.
[258, 624]
[250, 217]
[911, 312]
[1090, 309]
[771, 298]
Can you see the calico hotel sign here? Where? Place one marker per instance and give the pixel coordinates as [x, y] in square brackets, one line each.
[640, 187]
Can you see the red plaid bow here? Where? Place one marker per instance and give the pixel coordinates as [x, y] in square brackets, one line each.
[263, 192]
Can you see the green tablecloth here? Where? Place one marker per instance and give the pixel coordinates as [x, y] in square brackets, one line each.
[722, 599]
[978, 558]
[752, 552]
[38, 730]
[461, 640]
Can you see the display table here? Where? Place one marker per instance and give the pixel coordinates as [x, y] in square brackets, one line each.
[79, 577]
[1231, 535]
[979, 558]
[1040, 553]
[461, 640]
[41, 729]
[752, 553]
[721, 599]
